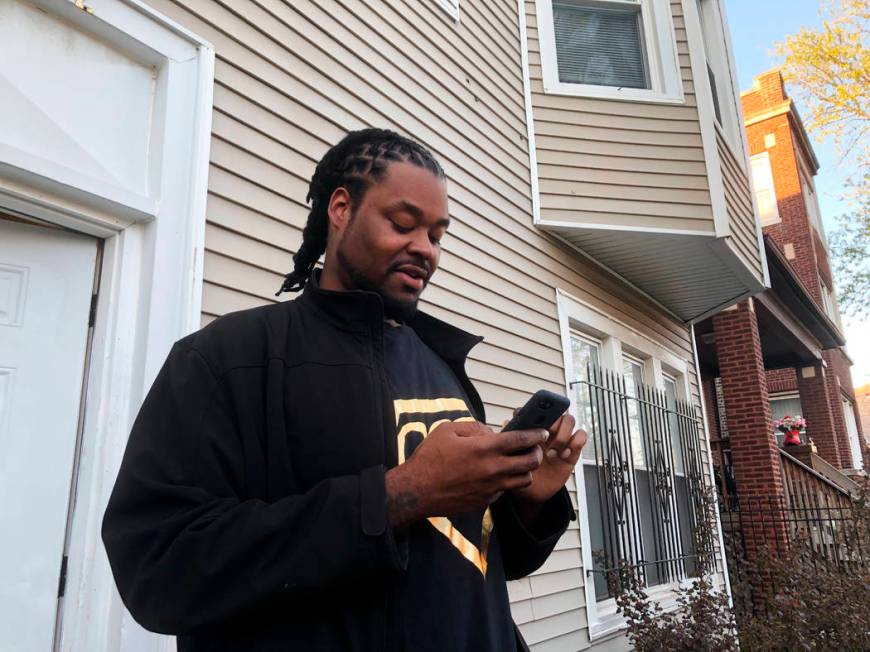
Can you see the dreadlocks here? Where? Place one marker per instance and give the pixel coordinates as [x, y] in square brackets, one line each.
[359, 160]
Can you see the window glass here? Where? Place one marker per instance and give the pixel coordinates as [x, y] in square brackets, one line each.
[762, 183]
[784, 406]
[600, 45]
[679, 431]
[633, 374]
[584, 356]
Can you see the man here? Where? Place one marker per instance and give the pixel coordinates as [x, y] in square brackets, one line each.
[315, 475]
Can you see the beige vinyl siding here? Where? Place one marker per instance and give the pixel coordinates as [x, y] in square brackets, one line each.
[620, 163]
[292, 79]
[738, 204]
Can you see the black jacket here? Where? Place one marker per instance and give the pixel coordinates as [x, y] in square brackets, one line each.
[250, 510]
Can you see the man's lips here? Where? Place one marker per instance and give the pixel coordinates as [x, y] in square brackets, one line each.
[412, 276]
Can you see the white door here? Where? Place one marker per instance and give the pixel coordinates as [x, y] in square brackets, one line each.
[46, 279]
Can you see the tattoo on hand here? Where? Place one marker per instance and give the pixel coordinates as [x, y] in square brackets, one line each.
[401, 507]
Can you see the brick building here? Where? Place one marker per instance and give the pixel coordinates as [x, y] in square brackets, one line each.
[781, 352]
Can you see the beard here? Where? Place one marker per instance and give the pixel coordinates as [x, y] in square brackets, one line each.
[400, 311]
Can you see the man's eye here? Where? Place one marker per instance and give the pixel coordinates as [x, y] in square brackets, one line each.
[402, 229]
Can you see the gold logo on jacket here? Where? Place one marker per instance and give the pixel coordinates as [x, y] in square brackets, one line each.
[421, 419]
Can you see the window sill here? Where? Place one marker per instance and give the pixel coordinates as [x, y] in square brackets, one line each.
[590, 91]
[610, 622]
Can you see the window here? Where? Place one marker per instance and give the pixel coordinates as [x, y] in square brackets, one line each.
[829, 302]
[600, 46]
[765, 193]
[640, 476]
[852, 431]
[812, 204]
[784, 405]
[621, 49]
[716, 51]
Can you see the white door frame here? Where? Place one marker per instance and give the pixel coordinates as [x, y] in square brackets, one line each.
[150, 284]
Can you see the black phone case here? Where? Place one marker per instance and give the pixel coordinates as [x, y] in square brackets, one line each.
[540, 411]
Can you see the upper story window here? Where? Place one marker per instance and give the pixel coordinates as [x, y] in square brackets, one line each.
[716, 51]
[618, 49]
[829, 302]
[811, 201]
[765, 193]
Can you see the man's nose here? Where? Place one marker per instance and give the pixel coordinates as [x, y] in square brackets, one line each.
[422, 246]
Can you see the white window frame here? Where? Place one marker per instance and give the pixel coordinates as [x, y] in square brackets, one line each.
[661, 51]
[767, 174]
[451, 7]
[150, 285]
[852, 431]
[615, 339]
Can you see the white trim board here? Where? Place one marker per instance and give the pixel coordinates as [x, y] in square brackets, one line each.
[530, 120]
[150, 286]
[706, 117]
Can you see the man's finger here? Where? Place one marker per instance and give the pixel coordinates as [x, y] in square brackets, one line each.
[560, 433]
[470, 428]
[571, 453]
[518, 440]
[522, 464]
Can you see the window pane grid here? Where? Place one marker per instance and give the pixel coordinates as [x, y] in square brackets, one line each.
[600, 46]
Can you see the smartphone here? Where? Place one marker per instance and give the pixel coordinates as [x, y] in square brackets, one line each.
[540, 411]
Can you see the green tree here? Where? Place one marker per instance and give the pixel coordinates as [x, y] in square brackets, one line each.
[850, 249]
[829, 68]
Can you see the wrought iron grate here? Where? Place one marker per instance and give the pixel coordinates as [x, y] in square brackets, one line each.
[649, 483]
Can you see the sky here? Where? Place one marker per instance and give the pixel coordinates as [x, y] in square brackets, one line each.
[755, 26]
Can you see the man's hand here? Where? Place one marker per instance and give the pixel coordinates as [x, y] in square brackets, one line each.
[461, 467]
[561, 453]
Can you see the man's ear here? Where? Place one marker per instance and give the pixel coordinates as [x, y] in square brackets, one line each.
[339, 210]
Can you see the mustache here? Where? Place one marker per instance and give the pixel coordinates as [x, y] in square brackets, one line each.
[421, 263]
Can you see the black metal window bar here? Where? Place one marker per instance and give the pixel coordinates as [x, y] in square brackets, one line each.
[643, 520]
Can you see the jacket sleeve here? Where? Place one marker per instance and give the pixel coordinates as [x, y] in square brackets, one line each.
[524, 548]
[187, 552]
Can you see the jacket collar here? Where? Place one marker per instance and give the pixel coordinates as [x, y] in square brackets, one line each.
[355, 309]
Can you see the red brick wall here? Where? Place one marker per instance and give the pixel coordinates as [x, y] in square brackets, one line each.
[795, 228]
[781, 380]
[768, 90]
[754, 452]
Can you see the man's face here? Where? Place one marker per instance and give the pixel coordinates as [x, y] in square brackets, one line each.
[391, 243]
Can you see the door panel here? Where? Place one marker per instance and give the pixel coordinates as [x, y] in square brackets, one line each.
[46, 280]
